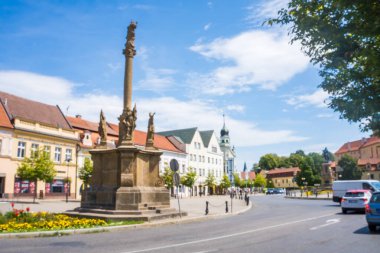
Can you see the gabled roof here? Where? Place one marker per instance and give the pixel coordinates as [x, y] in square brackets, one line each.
[283, 170]
[206, 137]
[186, 135]
[356, 145]
[18, 107]
[4, 119]
[79, 123]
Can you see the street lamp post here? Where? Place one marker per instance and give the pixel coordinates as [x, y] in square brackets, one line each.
[303, 183]
[68, 160]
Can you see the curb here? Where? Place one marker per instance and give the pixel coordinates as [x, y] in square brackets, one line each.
[122, 227]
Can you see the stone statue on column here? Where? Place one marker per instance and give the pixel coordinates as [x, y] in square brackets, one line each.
[102, 130]
[127, 124]
[150, 133]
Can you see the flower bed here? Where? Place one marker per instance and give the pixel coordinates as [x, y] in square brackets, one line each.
[25, 221]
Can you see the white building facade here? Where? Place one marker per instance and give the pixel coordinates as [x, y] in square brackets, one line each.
[204, 156]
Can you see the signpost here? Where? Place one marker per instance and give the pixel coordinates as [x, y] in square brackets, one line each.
[174, 166]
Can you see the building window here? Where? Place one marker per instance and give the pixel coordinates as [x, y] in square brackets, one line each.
[47, 150]
[57, 154]
[23, 186]
[183, 168]
[214, 149]
[21, 149]
[212, 160]
[69, 154]
[203, 158]
[200, 158]
[1, 144]
[57, 186]
[195, 145]
[208, 159]
[34, 150]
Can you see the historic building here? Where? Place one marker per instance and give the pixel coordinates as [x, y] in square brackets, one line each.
[283, 177]
[204, 154]
[27, 126]
[228, 151]
[367, 152]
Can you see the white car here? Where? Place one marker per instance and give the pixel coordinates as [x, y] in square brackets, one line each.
[355, 200]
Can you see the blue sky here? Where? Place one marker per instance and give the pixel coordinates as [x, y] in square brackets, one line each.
[195, 61]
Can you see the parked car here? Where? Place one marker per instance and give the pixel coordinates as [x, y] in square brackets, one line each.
[270, 191]
[278, 191]
[373, 212]
[341, 186]
[355, 200]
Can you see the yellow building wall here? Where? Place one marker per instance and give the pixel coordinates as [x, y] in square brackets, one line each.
[284, 182]
[8, 165]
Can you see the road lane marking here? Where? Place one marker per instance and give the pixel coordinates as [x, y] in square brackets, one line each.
[328, 223]
[227, 236]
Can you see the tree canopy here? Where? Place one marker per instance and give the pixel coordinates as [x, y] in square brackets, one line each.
[225, 182]
[37, 167]
[269, 161]
[350, 169]
[85, 172]
[342, 38]
[260, 181]
[167, 177]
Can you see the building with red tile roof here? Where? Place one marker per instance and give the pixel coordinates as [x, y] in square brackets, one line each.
[367, 153]
[35, 126]
[283, 177]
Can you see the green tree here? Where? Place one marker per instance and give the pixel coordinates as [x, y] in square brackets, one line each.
[38, 167]
[269, 183]
[210, 182]
[350, 169]
[260, 181]
[342, 37]
[305, 177]
[167, 177]
[318, 160]
[189, 179]
[295, 160]
[237, 180]
[269, 161]
[225, 183]
[85, 172]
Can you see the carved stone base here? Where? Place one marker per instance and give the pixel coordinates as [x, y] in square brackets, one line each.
[126, 178]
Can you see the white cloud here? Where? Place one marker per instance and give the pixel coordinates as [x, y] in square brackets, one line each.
[263, 58]
[236, 108]
[175, 114]
[171, 113]
[157, 80]
[206, 27]
[264, 10]
[317, 99]
[325, 115]
[59, 91]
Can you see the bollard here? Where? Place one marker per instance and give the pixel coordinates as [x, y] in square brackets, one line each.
[226, 206]
[206, 207]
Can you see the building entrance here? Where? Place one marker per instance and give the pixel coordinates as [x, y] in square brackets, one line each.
[2, 182]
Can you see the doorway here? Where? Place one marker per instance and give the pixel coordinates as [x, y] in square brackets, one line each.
[2, 183]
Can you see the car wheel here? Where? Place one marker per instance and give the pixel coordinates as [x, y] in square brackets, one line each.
[344, 210]
[372, 227]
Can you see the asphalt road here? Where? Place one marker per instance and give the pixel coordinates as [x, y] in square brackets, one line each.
[274, 224]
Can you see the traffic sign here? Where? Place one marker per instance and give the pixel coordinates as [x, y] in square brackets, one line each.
[174, 166]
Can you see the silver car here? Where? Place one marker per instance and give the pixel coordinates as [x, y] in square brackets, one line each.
[355, 200]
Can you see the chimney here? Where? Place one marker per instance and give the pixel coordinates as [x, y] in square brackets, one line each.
[78, 116]
[6, 102]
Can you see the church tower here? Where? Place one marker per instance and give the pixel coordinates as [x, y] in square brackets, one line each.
[228, 150]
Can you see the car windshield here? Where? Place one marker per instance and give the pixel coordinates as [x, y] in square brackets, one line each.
[354, 194]
[375, 198]
[376, 185]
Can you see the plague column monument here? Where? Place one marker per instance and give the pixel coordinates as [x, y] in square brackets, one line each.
[125, 183]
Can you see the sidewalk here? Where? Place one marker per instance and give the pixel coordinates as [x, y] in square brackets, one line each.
[194, 206]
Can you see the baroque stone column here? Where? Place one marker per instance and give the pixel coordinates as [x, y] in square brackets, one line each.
[127, 120]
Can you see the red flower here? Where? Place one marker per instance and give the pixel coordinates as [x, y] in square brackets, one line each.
[27, 209]
[12, 204]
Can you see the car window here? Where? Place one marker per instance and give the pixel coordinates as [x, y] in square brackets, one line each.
[354, 194]
[375, 198]
[367, 186]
